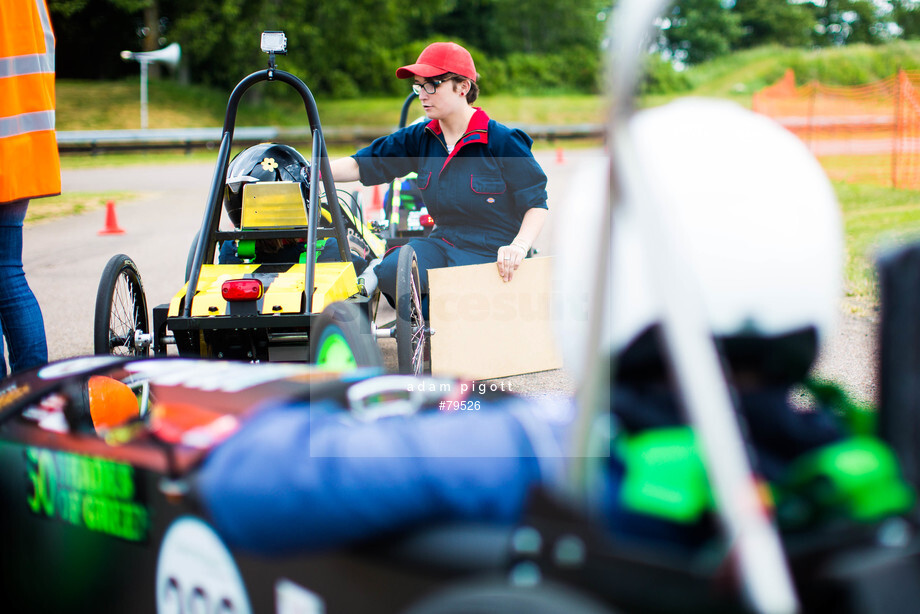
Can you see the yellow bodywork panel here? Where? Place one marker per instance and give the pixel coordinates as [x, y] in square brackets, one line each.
[334, 281]
[273, 204]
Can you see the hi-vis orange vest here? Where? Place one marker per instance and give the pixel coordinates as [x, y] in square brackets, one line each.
[29, 163]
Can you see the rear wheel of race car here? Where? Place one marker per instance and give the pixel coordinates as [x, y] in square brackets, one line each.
[412, 336]
[341, 339]
[121, 326]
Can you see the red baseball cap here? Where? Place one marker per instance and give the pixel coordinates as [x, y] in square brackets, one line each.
[439, 58]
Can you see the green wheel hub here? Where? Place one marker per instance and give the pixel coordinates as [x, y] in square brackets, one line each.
[335, 353]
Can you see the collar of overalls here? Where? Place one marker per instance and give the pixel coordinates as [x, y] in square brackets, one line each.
[477, 131]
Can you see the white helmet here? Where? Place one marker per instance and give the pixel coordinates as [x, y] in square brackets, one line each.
[757, 222]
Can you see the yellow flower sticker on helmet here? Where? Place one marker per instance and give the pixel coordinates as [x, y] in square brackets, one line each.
[269, 164]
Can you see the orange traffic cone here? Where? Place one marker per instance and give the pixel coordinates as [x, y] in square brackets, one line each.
[376, 204]
[111, 224]
[560, 157]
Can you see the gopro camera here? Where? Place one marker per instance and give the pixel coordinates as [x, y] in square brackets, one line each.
[274, 42]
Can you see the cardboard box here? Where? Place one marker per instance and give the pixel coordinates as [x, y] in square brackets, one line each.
[486, 328]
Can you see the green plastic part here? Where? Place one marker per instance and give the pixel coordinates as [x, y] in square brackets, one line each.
[407, 202]
[665, 476]
[246, 249]
[857, 478]
[320, 244]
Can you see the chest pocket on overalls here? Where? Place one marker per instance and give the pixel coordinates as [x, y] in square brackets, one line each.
[424, 178]
[487, 184]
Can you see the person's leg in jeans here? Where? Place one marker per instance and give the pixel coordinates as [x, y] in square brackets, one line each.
[20, 316]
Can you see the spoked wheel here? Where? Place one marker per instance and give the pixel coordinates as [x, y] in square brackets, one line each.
[412, 334]
[121, 324]
[341, 339]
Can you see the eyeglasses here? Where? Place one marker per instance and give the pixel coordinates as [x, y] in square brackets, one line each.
[429, 86]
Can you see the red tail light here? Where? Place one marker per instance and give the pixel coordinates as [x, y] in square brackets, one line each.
[241, 290]
[426, 221]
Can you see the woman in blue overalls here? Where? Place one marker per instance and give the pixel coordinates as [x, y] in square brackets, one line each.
[478, 178]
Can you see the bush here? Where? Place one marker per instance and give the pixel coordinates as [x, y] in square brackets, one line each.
[528, 72]
[662, 78]
[573, 70]
[339, 84]
[854, 64]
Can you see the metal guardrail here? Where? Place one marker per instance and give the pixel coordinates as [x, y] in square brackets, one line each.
[72, 141]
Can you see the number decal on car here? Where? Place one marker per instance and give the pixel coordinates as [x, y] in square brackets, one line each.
[88, 492]
[196, 570]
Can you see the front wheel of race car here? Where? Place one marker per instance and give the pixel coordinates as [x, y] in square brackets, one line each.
[412, 333]
[341, 339]
[121, 326]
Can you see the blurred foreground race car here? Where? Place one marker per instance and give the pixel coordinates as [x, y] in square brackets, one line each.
[682, 480]
[103, 494]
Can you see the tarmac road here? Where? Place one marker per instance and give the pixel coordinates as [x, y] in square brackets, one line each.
[64, 258]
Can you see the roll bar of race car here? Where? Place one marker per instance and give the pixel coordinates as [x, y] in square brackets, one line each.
[319, 159]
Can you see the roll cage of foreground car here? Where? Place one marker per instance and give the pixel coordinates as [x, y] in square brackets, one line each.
[306, 311]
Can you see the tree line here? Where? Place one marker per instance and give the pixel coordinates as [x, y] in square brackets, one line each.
[341, 48]
[351, 49]
[695, 31]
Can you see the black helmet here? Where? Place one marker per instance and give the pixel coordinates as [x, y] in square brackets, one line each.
[263, 162]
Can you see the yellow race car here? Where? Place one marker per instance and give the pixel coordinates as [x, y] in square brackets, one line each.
[283, 284]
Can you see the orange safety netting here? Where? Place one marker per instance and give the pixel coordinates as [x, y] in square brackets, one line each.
[867, 134]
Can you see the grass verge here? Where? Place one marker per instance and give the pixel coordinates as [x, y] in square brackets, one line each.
[73, 203]
[173, 106]
[874, 218]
